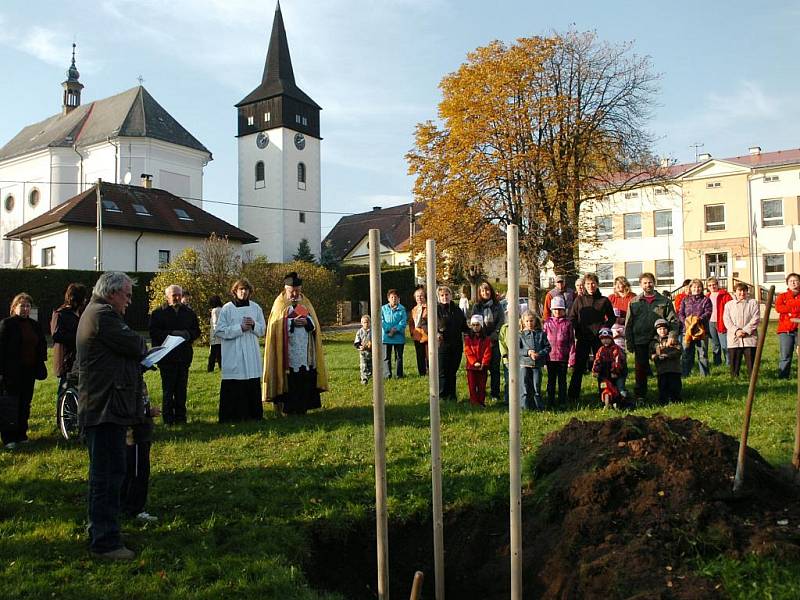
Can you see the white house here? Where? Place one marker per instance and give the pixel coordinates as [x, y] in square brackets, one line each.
[113, 139]
[142, 229]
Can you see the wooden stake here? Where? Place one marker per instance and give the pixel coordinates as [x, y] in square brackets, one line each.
[515, 478]
[378, 414]
[416, 587]
[738, 480]
[796, 453]
[433, 387]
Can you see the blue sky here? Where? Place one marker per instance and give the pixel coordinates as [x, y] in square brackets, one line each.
[729, 75]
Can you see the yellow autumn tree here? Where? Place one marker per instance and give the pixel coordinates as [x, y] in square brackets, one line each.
[526, 133]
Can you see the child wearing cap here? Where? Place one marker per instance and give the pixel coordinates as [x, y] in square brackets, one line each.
[665, 350]
[609, 368]
[561, 337]
[534, 350]
[478, 352]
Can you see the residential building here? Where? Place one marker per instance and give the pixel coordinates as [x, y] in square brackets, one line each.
[142, 229]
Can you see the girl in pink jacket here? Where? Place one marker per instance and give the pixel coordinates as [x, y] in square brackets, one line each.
[562, 338]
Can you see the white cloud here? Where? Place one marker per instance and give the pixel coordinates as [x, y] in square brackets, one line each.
[45, 44]
[749, 101]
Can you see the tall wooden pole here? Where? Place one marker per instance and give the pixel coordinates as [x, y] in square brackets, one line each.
[796, 453]
[433, 388]
[378, 415]
[514, 472]
[738, 479]
[98, 261]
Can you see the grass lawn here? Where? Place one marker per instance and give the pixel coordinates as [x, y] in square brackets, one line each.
[238, 503]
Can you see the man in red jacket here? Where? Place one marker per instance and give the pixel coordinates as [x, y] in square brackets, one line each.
[788, 307]
[716, 329]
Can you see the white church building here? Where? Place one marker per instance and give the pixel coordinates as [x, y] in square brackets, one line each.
[113, 139]
[279, 158]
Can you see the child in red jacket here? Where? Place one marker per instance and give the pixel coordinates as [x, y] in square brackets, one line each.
[478, 352]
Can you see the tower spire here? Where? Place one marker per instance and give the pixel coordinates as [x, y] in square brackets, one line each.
[71, 98]
[279, 62]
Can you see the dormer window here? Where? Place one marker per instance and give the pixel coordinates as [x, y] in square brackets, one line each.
[141, 209]
[111, 206]
[182, 214]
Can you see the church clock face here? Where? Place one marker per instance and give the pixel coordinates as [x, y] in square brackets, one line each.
[299, 141]
[262, 139]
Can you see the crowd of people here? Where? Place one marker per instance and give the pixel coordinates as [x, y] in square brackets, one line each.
[585, 332]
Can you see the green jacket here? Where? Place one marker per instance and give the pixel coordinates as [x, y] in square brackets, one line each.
[640, 322]
[501, 340]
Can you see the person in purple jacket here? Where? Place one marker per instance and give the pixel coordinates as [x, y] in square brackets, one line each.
[561, 337]
[694, 314]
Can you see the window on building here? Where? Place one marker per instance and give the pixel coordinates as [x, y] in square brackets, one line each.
[33, 197]
[260, 175]
[771, 212]
[771, 178]
[163, 258]
[141, 209]
[301, 176]
[630, 195]
[715, 217]
[660, 191]
[662, 221]
[9, 203]
[111, 206]
[603, 228]
[48, 256]
[633, 270]
[267, 116]
[302, 217]
[774, 267]
[605, 273]
[665, 272]
[251, 120]
[713, 185]
[717, 266]
[305, 121]
[633, 226]
[297, 119]
[182, 214]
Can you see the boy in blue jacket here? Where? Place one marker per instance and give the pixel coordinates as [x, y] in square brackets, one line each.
[393, 323]
[534, 351]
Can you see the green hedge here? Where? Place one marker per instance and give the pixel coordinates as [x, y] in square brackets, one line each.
[47, 286]
[356, 287]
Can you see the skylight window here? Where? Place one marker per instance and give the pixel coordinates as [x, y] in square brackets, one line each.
[182, 214]
[140, 209]
[111, 206]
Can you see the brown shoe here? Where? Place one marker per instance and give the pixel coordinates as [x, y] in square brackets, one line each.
[121, 553]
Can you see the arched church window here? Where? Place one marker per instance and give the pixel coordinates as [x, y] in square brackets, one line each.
[260, 178]
[301, 176]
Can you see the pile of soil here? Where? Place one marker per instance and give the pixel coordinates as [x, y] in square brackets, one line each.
[618, 509]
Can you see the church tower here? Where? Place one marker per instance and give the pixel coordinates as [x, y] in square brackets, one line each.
[72, 88]
[279, 158]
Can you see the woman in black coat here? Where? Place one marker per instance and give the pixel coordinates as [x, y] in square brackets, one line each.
[23, 352]
[63, 327]
[451, 329]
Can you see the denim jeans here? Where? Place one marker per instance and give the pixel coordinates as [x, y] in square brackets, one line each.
[787, 344]
[687, 359]
[719, 344]
[107, 466]
[387, 359]
[531, 378]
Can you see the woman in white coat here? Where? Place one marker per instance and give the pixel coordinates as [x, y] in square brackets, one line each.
[741, 317]
[241, 322]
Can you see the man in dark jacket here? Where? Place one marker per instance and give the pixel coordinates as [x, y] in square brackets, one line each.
[588, 314]
[109, 400]
[174, 318]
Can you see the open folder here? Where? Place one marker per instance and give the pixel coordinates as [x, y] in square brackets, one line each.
[159, 352]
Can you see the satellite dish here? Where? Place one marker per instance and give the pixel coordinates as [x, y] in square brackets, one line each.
[126, 179]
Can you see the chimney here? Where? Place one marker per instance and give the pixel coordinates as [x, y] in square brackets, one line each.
[755, 150]
[666, 161]
[703, 156]
[376, 208]
[147, 181]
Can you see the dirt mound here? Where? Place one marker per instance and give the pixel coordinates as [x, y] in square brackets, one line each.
[617, 509]
[621, 506]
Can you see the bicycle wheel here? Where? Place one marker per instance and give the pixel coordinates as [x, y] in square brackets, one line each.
[68, 414]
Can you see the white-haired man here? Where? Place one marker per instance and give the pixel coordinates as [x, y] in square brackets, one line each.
[109, 400]
[174, 318]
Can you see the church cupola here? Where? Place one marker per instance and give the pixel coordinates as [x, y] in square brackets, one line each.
[72, 87]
